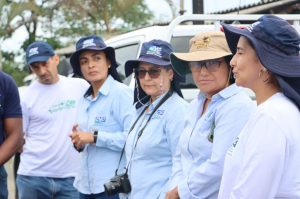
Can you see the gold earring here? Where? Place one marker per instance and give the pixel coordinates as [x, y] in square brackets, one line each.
[265, 79]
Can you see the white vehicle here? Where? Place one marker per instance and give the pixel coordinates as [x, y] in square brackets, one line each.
[27, 81]
[128, 45]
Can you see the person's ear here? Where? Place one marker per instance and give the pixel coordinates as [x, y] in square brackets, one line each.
[56, 59]
[108, 63]
[264, 69]
[171, 74]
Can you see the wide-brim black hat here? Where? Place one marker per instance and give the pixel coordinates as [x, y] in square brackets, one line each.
[276, 44]
[155, 52]
[94, 42]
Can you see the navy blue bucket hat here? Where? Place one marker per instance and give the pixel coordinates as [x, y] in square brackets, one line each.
[276, 44]
[94, 42]
[38, 52]
[156, 52]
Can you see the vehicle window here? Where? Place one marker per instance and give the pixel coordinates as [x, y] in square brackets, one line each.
[124, 54]
[181, 45]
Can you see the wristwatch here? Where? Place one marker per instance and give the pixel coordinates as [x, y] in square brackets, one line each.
[95, 136]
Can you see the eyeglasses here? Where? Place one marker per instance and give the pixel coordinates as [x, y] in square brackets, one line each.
[153, 72]
[211, 66]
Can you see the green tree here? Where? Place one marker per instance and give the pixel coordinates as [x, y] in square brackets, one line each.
[100, 16]
[9, 10]
[12, 68]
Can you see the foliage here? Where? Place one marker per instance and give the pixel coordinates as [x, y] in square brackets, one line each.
[137, 15]
[84, 17]
[65, 20]
[9, 10]
[11, 68]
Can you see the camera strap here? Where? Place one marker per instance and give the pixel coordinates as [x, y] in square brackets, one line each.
[167, 96]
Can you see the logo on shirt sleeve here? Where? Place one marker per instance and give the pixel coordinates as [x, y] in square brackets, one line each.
[231, 149]
[100, 120]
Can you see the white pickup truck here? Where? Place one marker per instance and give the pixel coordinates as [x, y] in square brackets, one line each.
[128, 45]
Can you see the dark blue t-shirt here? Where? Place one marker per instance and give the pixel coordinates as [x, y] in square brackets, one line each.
[9, 101]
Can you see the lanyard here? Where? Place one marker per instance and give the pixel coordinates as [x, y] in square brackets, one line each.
[169, 94]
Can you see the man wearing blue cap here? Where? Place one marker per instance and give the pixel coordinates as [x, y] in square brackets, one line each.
[48, 161]
[10, 126]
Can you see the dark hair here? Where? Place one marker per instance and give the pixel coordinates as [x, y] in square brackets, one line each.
[227, 60]
[168, 67]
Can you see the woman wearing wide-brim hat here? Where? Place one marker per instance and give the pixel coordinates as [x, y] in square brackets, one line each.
[157, 120]
[213, 120]
[264, 160]
[103, 118]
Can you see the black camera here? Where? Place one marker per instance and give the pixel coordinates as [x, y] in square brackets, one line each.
[118, 184]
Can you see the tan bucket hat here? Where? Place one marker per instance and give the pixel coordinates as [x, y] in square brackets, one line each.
[204, 46]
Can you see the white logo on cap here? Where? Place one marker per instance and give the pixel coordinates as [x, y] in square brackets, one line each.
[33, 51]
[154, 50]
[88, 42]
[250, 27]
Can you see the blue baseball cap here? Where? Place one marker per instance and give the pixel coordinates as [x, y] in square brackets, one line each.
[276, 44]
[38, 52]
[155, 52]
[94, 42]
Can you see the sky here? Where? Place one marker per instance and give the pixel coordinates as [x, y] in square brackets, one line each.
[161, 10]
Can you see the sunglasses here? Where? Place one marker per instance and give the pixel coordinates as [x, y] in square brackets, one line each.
[153, 72]
[211, 66]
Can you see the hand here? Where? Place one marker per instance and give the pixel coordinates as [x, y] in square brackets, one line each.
[173, 194]
[79, 137]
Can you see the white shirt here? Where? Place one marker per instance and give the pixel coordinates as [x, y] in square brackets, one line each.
[264, 160]
[49, 113]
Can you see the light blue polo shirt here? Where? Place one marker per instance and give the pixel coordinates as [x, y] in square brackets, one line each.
[151, 164]
[110, 114]
[198, 164]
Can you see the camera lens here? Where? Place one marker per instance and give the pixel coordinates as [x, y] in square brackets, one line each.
[112, 188]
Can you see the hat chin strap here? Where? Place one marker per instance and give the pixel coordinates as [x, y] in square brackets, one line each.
[161, 88]
[138, 93]
[227, 84]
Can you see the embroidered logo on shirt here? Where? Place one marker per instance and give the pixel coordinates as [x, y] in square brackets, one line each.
[33, 51]
[230, 151]
[154, 50]
[88, 42]
[158, 114]
[100, 120]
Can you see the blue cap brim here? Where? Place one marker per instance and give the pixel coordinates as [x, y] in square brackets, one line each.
[37, 59]
[144, 97]
[131, 64]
